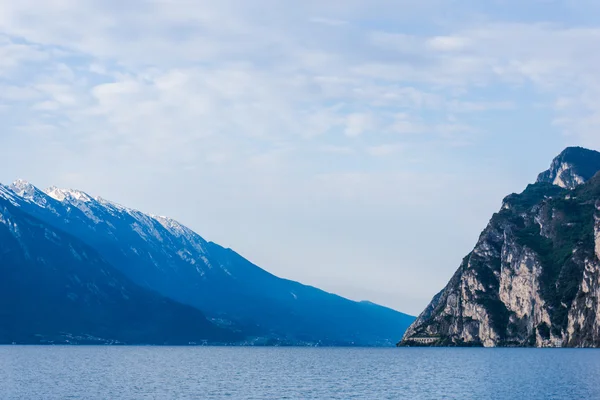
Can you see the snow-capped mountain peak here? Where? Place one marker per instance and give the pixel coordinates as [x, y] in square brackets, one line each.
[94, 208]
[55, 193]
[23, 188]
[75, 198]
[99, 211]
[31, 194]
[68, 194]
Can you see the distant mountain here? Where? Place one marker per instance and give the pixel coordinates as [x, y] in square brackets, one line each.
[163, 256]
[533, 278]
[56, 289]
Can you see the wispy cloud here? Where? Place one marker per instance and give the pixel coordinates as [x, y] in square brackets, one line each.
[384, 150]
[254, 103]
[328, 21]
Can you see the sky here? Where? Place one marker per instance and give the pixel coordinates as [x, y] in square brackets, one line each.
[359, 146]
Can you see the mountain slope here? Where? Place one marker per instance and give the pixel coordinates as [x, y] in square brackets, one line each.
[574, 166]
[533, 277]
[160, 254]
[55, 289]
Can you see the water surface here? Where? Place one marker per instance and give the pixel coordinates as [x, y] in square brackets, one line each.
[57, 372]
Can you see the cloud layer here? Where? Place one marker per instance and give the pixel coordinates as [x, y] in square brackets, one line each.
[332, 142]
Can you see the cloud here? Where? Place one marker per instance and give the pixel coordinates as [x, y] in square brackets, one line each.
[447, 43]
[252, 109]
[328, 21]
[358, 123]
[384, 150]
[345, 150]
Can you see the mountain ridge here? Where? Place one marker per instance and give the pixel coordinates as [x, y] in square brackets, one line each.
[56, 290]
[163, 255]
[572, 167]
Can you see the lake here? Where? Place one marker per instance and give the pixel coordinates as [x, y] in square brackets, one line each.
[63, 372]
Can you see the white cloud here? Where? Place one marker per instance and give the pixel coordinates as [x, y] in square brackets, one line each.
[337, 149]
[405, 124]
[13, 55]
[339, 104]
[328, 21]
[358, 123]
[447, 43]
[384, 150]
[17, 93]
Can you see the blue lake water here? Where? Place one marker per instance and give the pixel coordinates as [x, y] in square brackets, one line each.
[57, 372]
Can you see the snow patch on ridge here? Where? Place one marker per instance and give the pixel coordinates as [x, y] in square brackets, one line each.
[171, 225]
[68, 194]
[9, 195]
[22, 188]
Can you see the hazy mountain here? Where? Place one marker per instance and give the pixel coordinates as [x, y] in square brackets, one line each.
[56, 289]
[162, 255]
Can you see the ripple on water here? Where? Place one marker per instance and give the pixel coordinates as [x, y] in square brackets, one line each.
[63, 372]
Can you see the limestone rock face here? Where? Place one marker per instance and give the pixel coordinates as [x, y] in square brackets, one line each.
[572, 167]
[533, 278]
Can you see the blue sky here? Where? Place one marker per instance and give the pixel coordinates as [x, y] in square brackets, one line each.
[358, 146]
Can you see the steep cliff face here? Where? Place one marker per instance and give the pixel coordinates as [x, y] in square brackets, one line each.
[572, 167]
[533, 278]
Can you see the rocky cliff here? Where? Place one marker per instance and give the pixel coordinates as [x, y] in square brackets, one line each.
[572, 167]
[533, 278]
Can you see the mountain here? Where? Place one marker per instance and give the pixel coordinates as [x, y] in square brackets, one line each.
[572, 167]
[533, 278]
[56, 289]
[163, 256]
